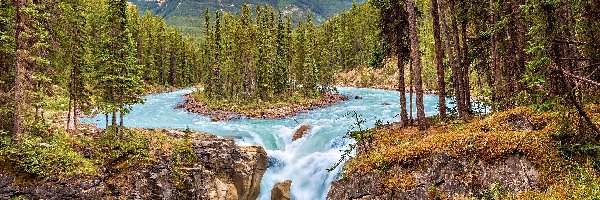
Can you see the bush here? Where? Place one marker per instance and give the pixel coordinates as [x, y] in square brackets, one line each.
[120, 144]
[582, 183]
[41, 157]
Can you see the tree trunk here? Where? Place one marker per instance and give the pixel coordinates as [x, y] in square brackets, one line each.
[70, 125]
[114, 118]
[121, 116]
[448, 44]
[495, 59]
[401, 84]
[457, 79]
[75, 114]
[465, 70]
[520, 41]
[410, 90]
[439, 59]
[416, 61]
[20, 59]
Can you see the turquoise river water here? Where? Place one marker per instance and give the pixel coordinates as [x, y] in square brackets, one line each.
[303, 161]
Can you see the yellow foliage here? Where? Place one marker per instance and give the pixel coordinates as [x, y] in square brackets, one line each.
[487, 139]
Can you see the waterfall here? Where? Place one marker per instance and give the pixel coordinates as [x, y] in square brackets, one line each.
[303, 161]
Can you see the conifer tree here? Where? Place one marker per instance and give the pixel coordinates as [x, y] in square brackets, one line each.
[280, 72]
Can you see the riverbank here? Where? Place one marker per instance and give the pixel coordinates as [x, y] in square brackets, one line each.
[516, 154]
[150, 89]
[385, 78]
[231, 110]
[132, 163]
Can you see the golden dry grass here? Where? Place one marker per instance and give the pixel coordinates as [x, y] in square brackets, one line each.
[489, 139]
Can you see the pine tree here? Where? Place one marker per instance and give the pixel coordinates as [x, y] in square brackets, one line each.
[7, 64]
[121, 75]
[20, 71]
[207, 56]
[281, 74]
[311, 65]
[216, 78]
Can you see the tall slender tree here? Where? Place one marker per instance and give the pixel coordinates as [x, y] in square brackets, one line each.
[439, 59]
[20, 70]
[416, 62]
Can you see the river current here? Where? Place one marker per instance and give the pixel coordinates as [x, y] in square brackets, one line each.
[303, 161]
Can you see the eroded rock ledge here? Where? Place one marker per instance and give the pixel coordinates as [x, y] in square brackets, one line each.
[225, 171]
[445, 175]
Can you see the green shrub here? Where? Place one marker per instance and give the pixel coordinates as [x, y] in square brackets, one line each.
[41, 157]
[120, 144]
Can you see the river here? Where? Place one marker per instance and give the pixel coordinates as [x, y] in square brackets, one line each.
[303, 161]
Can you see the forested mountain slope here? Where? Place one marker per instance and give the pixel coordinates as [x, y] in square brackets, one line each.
[186, 15]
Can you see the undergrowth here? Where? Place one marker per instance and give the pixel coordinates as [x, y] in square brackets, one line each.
[118, 144]
[44, 156]
[55, 153]
[554, 143]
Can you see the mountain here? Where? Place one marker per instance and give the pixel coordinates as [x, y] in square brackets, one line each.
[186, 15]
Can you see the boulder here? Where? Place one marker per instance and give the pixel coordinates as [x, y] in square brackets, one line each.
[357, 97]
[520, 122]
[300, 132]
[281, 191]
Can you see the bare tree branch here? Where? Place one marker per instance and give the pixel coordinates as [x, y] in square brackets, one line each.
[580, 78]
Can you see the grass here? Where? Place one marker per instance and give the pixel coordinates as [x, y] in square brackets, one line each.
[258, 107]
[489, 139]
[35, 157]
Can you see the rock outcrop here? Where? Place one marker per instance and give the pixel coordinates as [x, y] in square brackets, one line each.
[300, 132]
[451, 176]
[225, 171]
[281, 191]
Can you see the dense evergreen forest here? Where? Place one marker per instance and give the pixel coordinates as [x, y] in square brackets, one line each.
[261, 55]
[102, 55]
[97, 57]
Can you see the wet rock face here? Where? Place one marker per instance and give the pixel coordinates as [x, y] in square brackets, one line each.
[224, 171]
[281, 191]
[300, 132]
[451, 176]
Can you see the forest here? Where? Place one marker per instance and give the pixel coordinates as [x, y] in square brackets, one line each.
[65, 60]
[261, 55]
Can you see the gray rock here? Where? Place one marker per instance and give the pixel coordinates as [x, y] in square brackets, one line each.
[223, 171]
[452, 176]
[520, 122]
